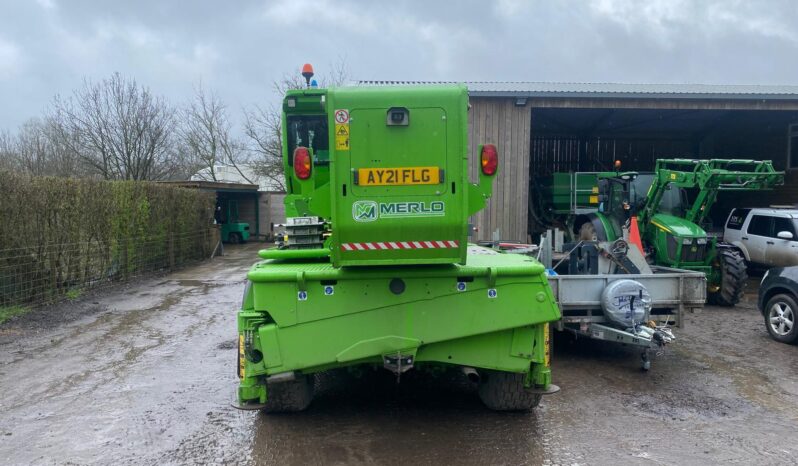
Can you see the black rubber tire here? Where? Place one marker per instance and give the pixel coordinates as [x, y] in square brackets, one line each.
[587, 232]
[288, 397]
[785, 300]
[504, 391]
[733, 278]
[234, 238]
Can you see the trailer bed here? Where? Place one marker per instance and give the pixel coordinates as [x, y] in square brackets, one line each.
[673, 291]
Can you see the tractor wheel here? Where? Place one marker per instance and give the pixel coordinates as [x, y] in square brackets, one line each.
[587, 232]
[234, 238]
[289, 396]
[504, 391]
[732, 275]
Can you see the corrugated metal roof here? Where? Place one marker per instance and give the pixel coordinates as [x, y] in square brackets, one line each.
[617, 90]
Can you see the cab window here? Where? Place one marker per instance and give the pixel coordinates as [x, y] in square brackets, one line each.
[760, 225]
[309, 131]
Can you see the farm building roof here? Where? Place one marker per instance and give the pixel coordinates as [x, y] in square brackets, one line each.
[615, 90]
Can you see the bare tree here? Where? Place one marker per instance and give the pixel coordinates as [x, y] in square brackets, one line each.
[263, 125]
[32, 148]
[8, 154]
[61, 157]
[120, 130]
[42, 151]
[263, 128]
[206, 134]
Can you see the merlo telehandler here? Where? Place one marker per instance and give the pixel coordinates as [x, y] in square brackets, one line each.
[377, 270]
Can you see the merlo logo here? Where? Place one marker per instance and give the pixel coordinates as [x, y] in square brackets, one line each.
[364, 211]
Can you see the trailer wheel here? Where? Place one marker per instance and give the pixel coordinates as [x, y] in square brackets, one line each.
[733, 277]
[504, 391]
[290, 396]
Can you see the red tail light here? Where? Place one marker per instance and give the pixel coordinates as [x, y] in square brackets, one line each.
[490, 159]
[302, 163]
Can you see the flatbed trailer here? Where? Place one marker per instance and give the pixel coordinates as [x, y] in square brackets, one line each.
[672, 292]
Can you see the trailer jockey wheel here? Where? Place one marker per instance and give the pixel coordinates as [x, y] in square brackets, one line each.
[645, 361]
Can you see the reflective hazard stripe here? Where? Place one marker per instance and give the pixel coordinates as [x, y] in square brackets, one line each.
[376, 246]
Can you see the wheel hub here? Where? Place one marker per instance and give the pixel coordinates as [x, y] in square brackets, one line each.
[781, 318]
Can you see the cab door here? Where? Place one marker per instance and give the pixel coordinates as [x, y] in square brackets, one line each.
[757, 235]
[782, 252]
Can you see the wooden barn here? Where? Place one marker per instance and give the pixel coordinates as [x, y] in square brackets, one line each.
[542, 128]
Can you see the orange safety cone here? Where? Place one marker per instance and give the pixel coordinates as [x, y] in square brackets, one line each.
[634, 234]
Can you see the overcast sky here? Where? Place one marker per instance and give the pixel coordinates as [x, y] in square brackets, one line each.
[47, 47]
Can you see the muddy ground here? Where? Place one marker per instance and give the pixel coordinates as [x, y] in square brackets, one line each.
[145, 375]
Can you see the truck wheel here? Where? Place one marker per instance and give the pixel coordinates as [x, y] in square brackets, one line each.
[732, 278]
[504, 391]
[780, 313]
[289, 396]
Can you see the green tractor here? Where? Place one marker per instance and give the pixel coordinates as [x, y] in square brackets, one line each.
[233, 230]
[394, 283]
[671, 227]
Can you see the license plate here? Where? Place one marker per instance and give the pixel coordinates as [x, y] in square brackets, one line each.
[398, 176]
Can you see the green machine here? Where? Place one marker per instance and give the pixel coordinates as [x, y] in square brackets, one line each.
[671, 223]
[394, 283]
[233, 231]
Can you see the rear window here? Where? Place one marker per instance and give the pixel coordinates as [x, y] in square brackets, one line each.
[760, 225]
[737, 218]
[309, 131]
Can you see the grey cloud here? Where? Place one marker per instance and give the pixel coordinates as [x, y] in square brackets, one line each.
[239, 48]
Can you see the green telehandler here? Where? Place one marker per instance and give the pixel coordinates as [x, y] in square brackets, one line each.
[376, 270]
[671, 227]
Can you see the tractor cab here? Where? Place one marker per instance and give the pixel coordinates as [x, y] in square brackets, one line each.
[233, 230]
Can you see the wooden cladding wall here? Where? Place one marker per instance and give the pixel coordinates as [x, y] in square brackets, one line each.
[501, 122]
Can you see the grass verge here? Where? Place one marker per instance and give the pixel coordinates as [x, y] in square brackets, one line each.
[7, 312]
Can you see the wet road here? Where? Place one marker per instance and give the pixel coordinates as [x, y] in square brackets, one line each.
[145, 375]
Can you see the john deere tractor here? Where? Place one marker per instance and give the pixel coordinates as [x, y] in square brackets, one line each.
[671, 227]
[376, 270]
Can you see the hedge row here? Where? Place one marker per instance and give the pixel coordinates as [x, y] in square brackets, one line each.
[61, 235]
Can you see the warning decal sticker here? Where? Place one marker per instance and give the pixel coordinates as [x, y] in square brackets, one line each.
[342, 117]
[342, 129]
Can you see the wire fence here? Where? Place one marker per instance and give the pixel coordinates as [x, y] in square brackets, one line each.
[62, 236]
[47, 272]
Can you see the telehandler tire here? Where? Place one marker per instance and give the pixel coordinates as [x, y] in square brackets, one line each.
[292, 396]
[733, 277]
[504, 391]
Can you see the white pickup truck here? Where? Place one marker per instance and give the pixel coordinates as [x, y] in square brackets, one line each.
[766, 236]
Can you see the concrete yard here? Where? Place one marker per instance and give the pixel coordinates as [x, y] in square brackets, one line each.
[145, 374]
